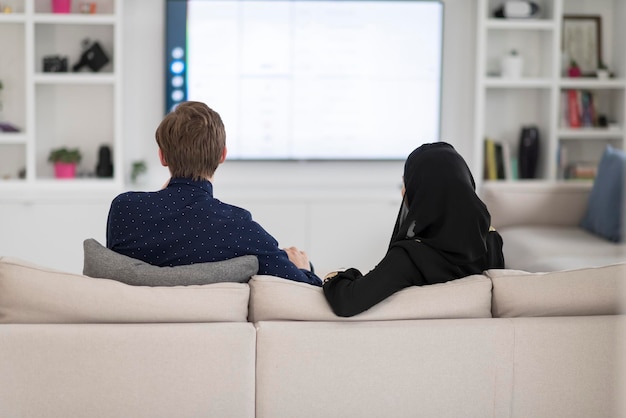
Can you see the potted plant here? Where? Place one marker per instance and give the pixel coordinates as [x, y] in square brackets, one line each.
[603, 71]
[139, 168]
[574, 69]
[65, 161]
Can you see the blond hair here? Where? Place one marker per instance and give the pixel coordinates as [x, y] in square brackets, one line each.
[192, 139]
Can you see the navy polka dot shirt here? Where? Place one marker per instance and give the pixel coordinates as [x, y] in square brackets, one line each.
[184, 224]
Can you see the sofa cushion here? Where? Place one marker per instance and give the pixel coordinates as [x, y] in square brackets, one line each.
[550, 248]
[275, 299]
[33, 294]
[101, 262]
[606, 200]
[580, 292]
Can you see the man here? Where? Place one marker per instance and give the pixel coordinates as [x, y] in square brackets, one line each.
[183, 223]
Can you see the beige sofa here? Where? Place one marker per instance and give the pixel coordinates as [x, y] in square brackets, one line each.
[539, 223]
[503, 344]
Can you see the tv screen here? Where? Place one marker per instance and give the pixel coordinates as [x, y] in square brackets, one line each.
[310, 79]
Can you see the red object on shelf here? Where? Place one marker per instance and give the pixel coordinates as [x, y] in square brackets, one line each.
[61, 6]
[64, 170]
[573, 109]
[574, 71]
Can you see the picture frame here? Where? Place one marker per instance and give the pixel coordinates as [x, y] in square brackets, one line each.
[582, 41]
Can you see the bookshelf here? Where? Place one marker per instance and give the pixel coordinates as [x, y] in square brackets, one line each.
[74, 109]
[537, 98]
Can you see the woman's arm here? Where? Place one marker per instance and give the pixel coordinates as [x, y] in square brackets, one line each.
[350, 293]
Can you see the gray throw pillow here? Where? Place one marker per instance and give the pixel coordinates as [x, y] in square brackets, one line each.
[604, 216]
[101, 262]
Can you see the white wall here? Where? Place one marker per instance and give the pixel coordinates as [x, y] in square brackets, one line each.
[342, 214]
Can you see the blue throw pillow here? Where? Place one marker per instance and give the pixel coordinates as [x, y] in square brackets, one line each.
[605, 208]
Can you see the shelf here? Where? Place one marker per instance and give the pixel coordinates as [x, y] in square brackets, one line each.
[12, 138]
[499, 82]
[12, 18]
[590, 133]
[72, 109]
[505, 106]
[21, 190]
[75, 18]
[520, 24]
[592, 83]
[74, 78]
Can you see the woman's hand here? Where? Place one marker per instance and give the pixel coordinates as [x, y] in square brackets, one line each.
[297, 257]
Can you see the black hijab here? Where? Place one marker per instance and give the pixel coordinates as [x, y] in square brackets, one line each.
[440, 207]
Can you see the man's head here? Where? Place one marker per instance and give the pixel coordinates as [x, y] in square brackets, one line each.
[192, 141]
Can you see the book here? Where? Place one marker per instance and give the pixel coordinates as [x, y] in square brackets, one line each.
[586, 109]
[564, 110]
[491, 170]
[578, 109]
[507, 161]
[500, 158]
[498, 162]
[562, 162]
[573, 109]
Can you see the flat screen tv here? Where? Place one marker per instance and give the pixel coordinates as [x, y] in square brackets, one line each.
[310, 79]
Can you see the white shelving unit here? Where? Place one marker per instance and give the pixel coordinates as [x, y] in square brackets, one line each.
[74, 109]
[504, 105]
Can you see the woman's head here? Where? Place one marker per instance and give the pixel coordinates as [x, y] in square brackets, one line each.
[442, 208]
[432, 169]
[192, 140]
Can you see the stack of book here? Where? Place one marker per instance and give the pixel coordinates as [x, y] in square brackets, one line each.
[581, 170]
[578, 109]
[574, 170]
[498, 162]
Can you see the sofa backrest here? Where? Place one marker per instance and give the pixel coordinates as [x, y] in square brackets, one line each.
[34, 294]
[275, 299]
[535, 203]
[580, 292]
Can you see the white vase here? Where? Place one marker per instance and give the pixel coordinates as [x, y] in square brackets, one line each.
[512, 66]
[602, 74]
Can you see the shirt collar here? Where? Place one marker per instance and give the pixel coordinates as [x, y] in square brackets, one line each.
[189, 183]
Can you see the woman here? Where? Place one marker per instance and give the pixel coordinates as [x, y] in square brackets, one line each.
[442, 233]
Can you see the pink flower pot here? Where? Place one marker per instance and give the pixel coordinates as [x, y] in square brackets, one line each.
[61, 6]
[64, 170]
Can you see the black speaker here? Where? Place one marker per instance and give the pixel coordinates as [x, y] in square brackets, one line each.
[528, 153]
[105, 162]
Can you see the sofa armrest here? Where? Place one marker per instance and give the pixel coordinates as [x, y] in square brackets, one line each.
[535, 202]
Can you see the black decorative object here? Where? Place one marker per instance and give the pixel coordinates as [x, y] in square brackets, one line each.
[54, 64]
[528, 152]
[93, 57]
[517, 9]
[105, 162]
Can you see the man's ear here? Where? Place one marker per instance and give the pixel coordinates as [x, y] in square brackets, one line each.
[223, 157]
[162, 158]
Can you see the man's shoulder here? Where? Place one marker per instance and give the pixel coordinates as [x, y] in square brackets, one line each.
[133, 197]
[233, 210]
[130, 196]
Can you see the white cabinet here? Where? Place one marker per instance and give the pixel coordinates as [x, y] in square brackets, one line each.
[506, 104]
[59, 109]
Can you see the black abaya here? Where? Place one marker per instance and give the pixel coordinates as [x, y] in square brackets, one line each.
[442, 233]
